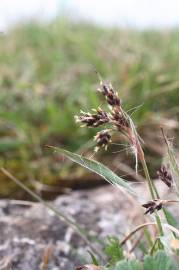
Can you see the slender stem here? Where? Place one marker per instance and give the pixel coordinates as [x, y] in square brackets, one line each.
[159, 224]
[172, 228]
[135, 141]
[142, 226]
[152, 188]
[172, 158]
[145, 168]
[133, 137]
[172, 201]
[148, 237]
[153, 247]
[138, 228]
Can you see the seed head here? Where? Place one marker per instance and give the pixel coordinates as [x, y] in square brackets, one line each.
[165, 176]
[97, 119]
[119, 119]
[151, 206]
[103, 138]
[110, 94]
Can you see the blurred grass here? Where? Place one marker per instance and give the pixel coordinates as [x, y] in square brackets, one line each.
[48, 74]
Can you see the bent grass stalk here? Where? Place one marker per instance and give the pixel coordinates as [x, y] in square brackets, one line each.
[142, 226]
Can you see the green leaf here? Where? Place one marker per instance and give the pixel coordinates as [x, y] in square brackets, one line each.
[160, 262]
[114, 250]
[96, 167]
[170, 218]
[129, 265]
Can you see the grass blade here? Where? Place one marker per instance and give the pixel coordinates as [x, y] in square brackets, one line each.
[96, 167]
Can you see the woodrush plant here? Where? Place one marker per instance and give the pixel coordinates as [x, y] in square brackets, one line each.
[116, 119]
[121, 122]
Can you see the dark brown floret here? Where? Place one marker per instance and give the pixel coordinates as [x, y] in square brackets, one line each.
[93, 120]
[151, 206]
[165, 176]
[119, 119]
[111, 95]
[103, 138]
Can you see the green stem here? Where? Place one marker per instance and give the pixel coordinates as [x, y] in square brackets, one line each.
[150, 184]
[153, 191]
[152, 188]
[157, 240]
[148, 237]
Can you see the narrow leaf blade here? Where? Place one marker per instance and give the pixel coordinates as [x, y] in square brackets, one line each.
[96, 167]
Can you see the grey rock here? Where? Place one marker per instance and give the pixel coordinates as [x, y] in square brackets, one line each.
[28, 231]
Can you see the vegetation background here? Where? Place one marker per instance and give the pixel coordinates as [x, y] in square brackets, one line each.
[48, 72]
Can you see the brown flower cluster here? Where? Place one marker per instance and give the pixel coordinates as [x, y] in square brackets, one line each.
[111, 96]
[96, 119]
[116, 117]
[153, 206]
[102, 138]
[165, 176]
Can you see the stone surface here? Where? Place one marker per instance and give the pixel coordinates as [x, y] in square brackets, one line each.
[29, 231]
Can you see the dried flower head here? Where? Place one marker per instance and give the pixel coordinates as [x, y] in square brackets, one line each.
[151, 206]
[96, 119]
[119, 119]
[103, 138]
[165, 176]
[116, 118]
[110, 94]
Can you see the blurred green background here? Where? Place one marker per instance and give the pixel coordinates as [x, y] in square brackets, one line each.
[47, 74]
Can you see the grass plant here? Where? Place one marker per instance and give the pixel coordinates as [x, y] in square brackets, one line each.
[161, 253]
